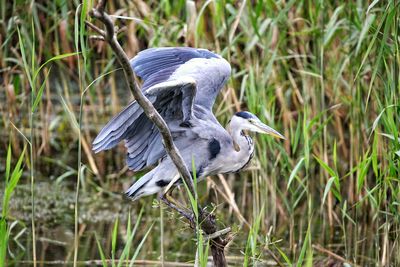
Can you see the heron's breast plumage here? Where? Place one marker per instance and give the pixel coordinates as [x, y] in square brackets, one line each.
[228, 159]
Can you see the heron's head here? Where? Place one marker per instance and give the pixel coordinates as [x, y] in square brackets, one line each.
[245, 120]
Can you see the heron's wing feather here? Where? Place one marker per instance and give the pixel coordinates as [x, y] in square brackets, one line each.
[118, 127]
[210, 71]
[172, 99]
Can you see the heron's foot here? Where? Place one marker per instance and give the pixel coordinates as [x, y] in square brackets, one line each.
[172, 204]
[169, 198]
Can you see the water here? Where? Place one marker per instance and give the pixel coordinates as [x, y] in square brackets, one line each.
[54, 219]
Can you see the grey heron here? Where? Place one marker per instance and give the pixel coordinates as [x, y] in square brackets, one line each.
[182, 83]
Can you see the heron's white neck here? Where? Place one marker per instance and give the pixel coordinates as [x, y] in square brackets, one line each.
[235, 129]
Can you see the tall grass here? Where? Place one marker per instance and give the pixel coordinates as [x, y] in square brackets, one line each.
[80, 46]
[325, 73]
[11, 181]
[130, 234]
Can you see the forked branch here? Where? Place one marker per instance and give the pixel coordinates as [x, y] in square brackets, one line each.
[109, 34]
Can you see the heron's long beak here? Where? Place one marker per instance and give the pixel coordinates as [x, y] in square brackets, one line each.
[263, 128]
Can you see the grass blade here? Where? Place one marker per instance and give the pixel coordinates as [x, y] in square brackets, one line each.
[114, 241]
[39, 93]
[101, 252]
[139, 247]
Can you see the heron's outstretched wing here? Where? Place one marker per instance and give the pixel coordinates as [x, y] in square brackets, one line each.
[209, 70]
[173, 100]
[170, 75]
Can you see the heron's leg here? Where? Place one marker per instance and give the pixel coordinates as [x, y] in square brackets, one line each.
[166, 199]
[168, 196]
[167, 193]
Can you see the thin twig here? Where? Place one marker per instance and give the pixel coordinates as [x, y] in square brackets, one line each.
[97, 38]
[332, 254]
[217, 234]
[95, 28]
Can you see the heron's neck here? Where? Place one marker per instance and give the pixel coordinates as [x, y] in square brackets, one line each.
[239, 138]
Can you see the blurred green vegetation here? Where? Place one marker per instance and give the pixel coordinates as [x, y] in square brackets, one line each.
[324, 73]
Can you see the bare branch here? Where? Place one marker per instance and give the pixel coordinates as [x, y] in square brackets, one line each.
[95, 28]
[217, 234]
[148, 108]
[208, 221]
[97, 38]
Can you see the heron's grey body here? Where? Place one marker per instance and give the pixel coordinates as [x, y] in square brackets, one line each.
[182, 83]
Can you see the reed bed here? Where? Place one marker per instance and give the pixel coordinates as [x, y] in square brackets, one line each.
[324, 73]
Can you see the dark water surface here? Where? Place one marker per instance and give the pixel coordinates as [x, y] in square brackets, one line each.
[54, 219]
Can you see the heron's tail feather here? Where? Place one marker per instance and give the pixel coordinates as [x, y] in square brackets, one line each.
[153, 182]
